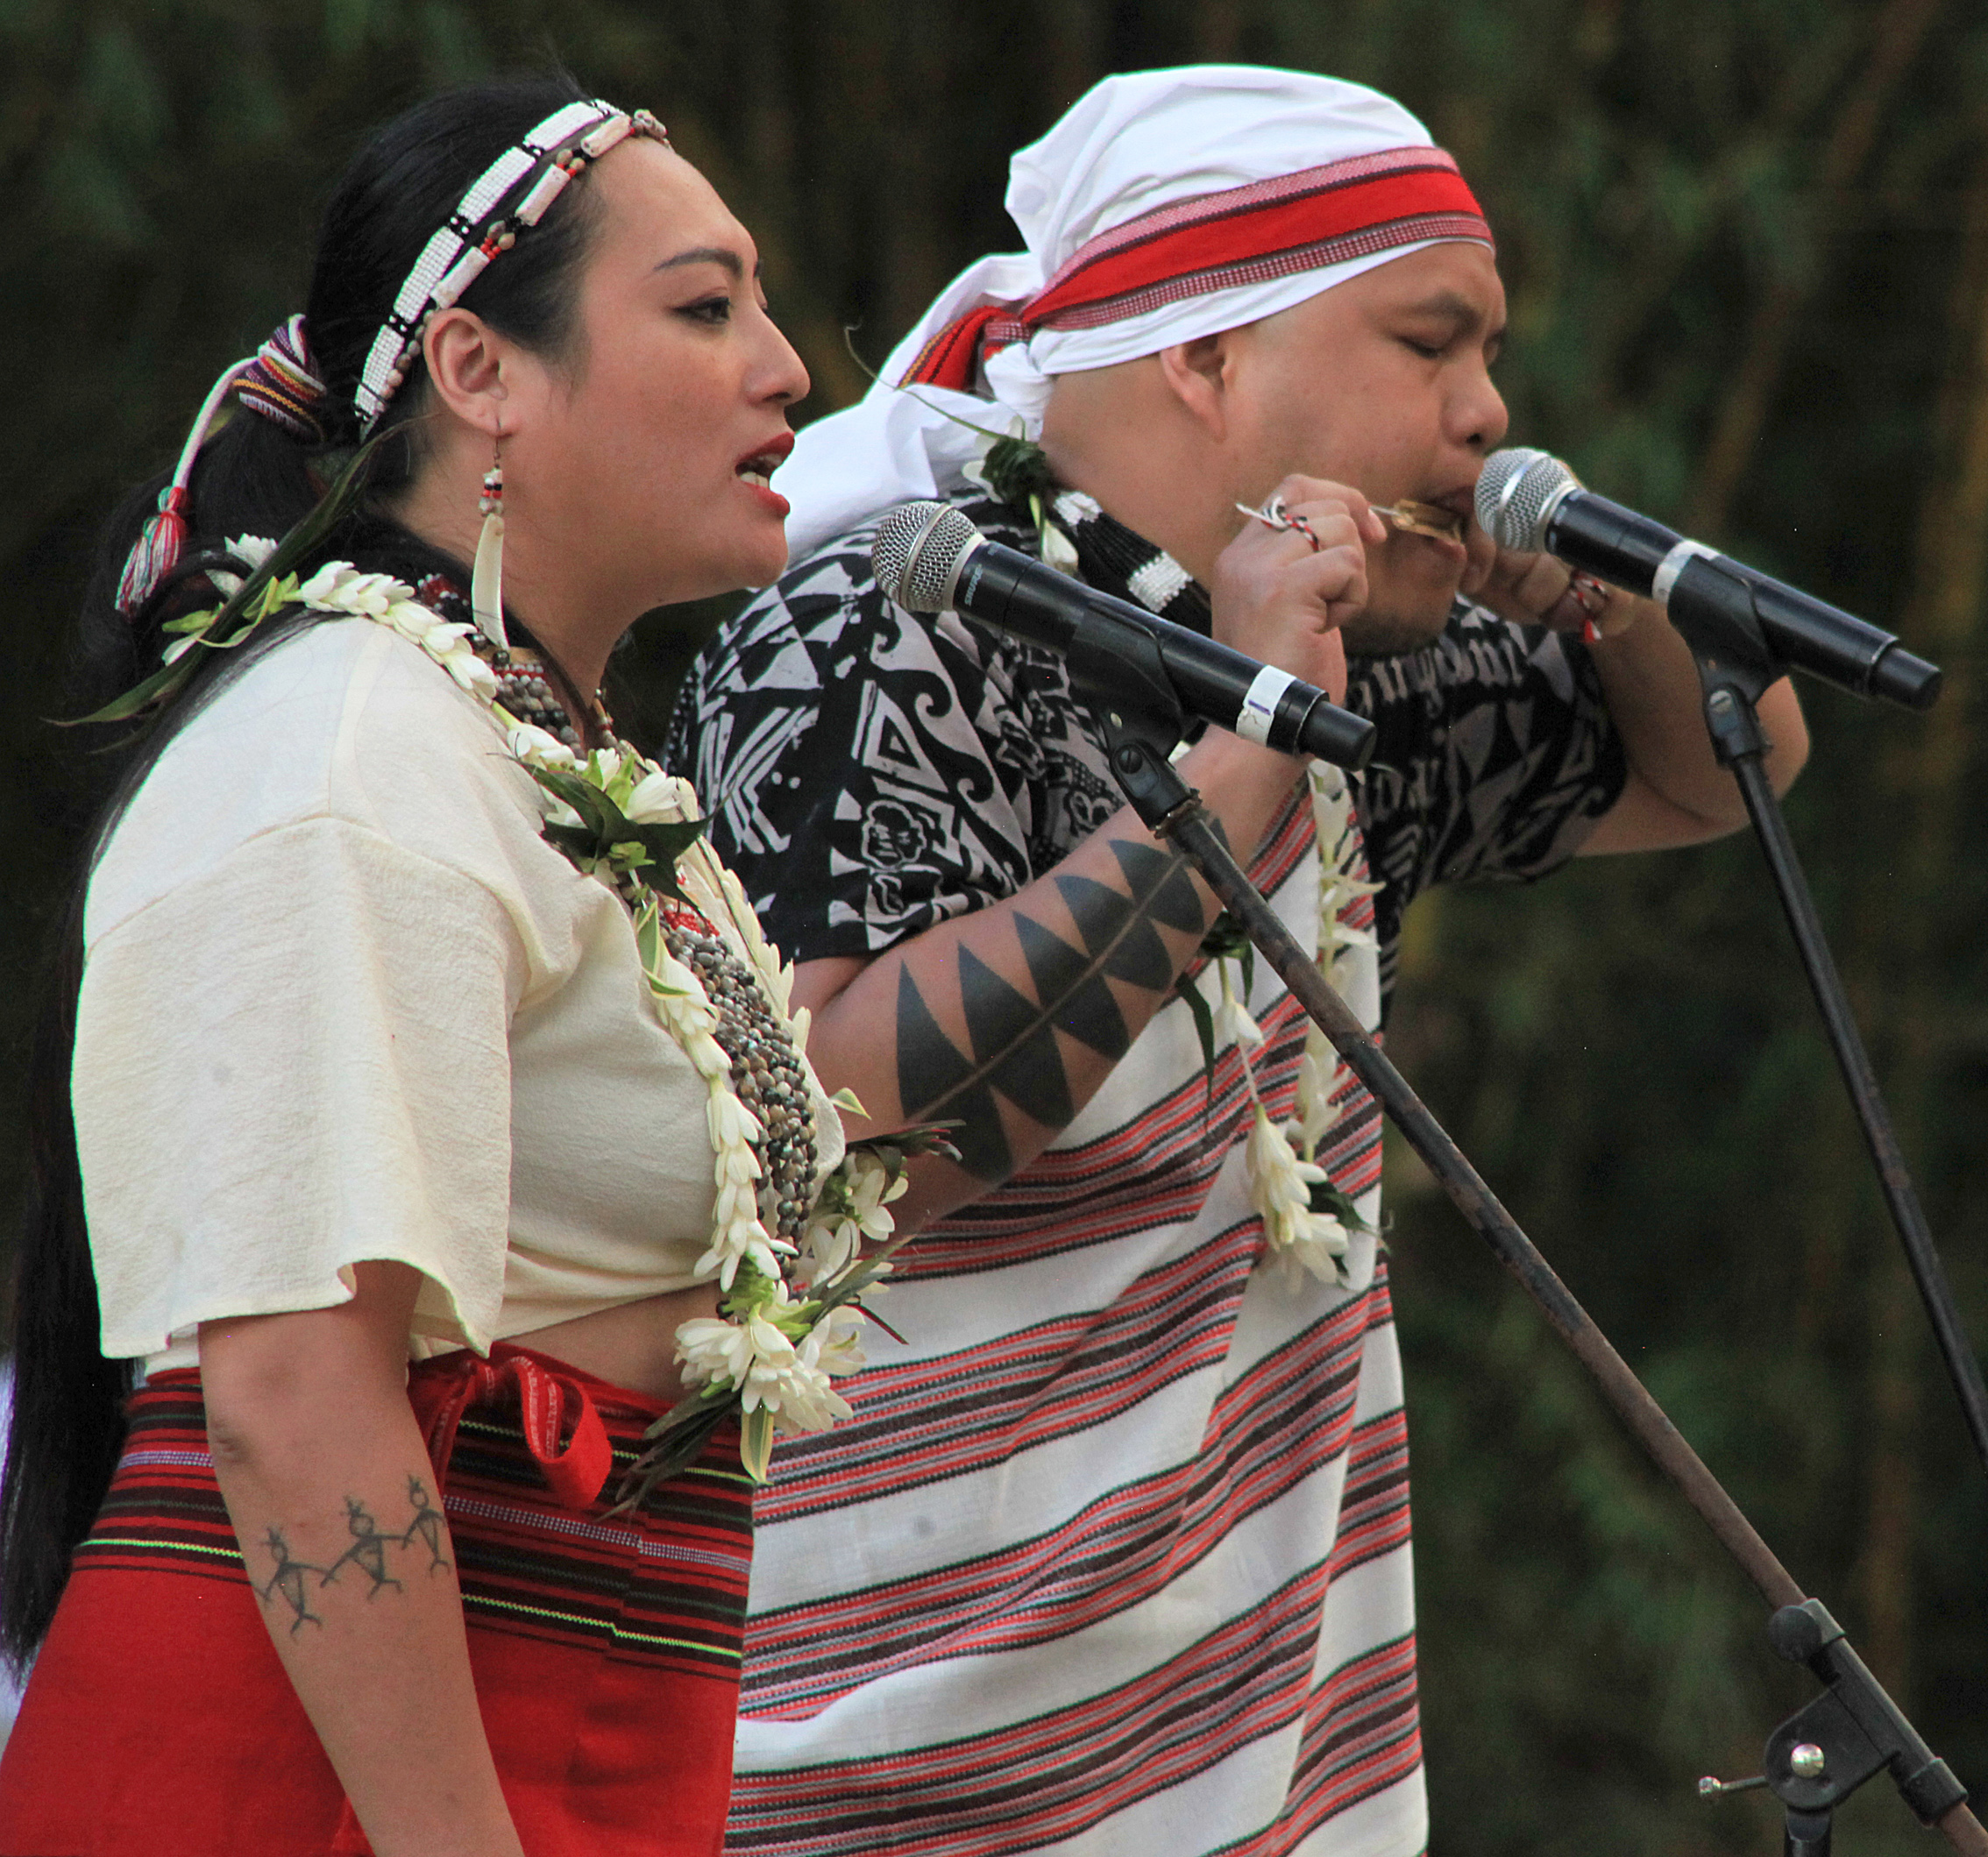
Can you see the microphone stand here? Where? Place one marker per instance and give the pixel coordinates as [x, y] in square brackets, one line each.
[1823, 1753]
[1714, 614]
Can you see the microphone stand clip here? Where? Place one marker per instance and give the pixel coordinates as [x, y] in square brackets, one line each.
[1821, 1754]
[1117, 667]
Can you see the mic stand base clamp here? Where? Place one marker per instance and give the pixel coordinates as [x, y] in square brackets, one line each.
[1139, 743]
[1823, 1752]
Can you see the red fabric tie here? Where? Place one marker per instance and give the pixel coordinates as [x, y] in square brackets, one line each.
[952, 358]
[441, 1391]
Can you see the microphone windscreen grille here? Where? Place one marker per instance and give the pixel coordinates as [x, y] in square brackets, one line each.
[1516, 491]
[917, 554]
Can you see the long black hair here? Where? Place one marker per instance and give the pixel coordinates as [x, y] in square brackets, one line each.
[253, 476]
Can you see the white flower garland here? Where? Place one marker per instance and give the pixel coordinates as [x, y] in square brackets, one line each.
[1280, 1165]
[773, 1353]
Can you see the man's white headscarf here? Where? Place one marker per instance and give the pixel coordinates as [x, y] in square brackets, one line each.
[1165, 206]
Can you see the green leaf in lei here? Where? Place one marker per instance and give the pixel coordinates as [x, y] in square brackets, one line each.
[904, 1145]
[756, 1442]
[683, 1432]
[1325, 1197]
[1225, 938]
[1203, 1030]
[267, 589]
[1017, 472]
[606, 835]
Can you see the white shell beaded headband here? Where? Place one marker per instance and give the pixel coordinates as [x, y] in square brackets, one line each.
[483, 225]
[278, 381]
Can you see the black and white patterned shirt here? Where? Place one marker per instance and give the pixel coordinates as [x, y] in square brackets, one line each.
[870, 773]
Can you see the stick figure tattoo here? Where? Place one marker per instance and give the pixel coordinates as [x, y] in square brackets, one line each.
[368, 1552]
[426, 1523]
[289, 1579]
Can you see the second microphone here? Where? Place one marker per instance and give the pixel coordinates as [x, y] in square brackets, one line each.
[930, 558]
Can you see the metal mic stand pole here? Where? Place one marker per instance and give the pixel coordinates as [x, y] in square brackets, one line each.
[1819, 1755]
[1735, 667]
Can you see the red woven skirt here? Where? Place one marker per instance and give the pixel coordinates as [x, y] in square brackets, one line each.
[158, 1722]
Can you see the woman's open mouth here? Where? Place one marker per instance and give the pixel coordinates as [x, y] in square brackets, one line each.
[757, 467]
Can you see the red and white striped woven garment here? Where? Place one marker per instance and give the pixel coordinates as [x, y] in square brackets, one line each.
[1115, 1556]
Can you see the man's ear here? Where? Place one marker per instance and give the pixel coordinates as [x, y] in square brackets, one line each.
[466, 367]
[1201, 375]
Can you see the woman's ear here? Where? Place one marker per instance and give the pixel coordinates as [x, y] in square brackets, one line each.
[1200, 374]
[467, 364]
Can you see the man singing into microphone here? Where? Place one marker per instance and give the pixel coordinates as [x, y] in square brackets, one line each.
[1114, 1556]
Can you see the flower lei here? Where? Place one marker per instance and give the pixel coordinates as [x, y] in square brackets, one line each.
[771, 1354]
[1307, 1221]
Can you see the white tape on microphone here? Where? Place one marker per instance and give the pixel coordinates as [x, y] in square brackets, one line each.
[1674, 563]
[1259, 704]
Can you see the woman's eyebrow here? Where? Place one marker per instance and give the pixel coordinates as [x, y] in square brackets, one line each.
[709, 255]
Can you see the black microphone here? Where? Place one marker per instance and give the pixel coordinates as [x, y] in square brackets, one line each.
[930, 558]
[1528, 500]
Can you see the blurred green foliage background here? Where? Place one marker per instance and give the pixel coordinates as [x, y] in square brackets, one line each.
[1747, 245]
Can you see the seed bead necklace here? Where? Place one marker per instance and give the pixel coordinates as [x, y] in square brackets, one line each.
[790, 1256]
[523, 689]
[767, 1074]
[766, 1070]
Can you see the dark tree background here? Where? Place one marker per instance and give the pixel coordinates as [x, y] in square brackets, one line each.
[1747, 244]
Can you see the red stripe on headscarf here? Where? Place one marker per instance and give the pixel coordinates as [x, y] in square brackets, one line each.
[1215, 244]
[1400, 197]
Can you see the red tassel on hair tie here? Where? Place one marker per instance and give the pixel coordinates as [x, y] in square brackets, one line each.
[157, 550]
[278, 383]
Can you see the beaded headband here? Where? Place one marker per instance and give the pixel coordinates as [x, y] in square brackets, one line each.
[278, 380]
[515, 191]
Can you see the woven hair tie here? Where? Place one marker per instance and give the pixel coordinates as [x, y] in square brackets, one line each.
[275, 381]
[157, 548]
[281, 385]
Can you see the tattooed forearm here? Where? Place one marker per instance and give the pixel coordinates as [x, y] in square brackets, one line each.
[1014, 1052]
[290, 1585]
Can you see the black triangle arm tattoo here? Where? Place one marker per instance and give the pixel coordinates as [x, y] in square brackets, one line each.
[1015, 1055]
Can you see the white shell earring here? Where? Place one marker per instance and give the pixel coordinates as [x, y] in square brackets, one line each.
[486, 578]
